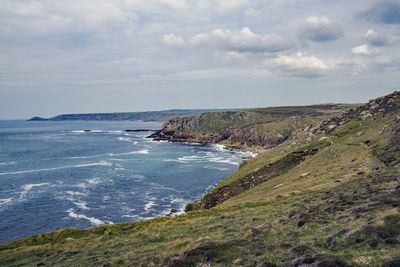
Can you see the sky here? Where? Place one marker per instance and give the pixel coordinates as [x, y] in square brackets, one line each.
[78, 56]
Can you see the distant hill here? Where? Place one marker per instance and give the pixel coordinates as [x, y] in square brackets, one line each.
[128, 116]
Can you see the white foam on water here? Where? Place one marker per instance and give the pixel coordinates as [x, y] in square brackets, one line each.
[8, 163]
[138, 176]
[126, 139]
[89, 183]
[149, 206]
[219, 147]
[206, 157]
[81, 204]
[92, 220]
[138, 152]
[78, 203]
[178, 200]
[108, 131]
[223, 160]
[101, 163]
[5, 201]
[28, 187]
[154, 141]
[86, 157]
[93, 181]
[215, 168]
[131, 216]
[97, 131]
[192, 158]
[192, 144]
[75, 193]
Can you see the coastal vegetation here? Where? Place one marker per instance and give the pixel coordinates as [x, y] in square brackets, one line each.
[323, 191]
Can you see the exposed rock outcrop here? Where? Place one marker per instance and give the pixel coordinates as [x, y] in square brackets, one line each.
[374, 108]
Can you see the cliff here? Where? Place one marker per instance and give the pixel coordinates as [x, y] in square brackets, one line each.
[264, 128]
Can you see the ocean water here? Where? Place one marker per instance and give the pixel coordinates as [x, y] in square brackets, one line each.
[57, 175]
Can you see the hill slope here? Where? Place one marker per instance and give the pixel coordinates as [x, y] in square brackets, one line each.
[328, 195]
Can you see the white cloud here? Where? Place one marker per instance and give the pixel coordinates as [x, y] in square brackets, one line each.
[244, 40]
[320, 30]
[173, 40]
[299, 64]
[200, 39]
[365, 50]
[56, 17]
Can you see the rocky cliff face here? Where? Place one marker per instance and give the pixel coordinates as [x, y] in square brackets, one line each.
[264, 128]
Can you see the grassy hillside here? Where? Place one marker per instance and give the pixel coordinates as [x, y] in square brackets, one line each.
[336, 206]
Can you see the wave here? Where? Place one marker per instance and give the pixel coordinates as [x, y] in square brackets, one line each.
[86, 157]
[126, 139]
[243, 154]
[8, 163]
[149, 206]
[81, 204]
[28, 187]
[101, 163]
[88, 183]
[207, 157]
[131, 216]
[76, 193]
[219, 147]
[93, 181]
[215, 168]
[92, 220]
[223, 160]
[4, 201]
[142, 152]
[96, 131]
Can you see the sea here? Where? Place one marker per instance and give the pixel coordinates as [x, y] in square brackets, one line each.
[76, 174]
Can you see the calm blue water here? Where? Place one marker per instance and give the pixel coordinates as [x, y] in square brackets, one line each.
[54, 175]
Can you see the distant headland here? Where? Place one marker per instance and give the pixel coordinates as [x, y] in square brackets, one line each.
[163, 115]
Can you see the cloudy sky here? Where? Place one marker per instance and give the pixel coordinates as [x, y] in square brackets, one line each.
[72, 56]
